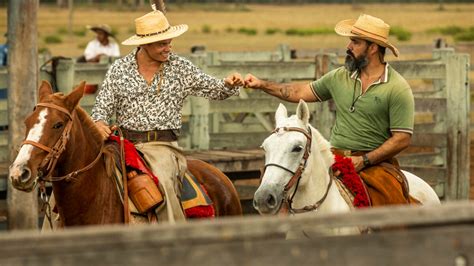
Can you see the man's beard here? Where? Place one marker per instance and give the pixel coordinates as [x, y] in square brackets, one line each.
[352, 63]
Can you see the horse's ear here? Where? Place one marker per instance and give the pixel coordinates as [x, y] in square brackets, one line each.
[302, 112]
[44, 90]
[280, 114]
[75, 96]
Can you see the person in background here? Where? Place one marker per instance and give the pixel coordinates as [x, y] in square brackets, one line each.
[4, 52]
[103, 45]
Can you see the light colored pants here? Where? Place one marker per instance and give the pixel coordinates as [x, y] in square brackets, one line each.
[168, 163]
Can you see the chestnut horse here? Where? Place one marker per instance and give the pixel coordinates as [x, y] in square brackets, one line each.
[63, 146]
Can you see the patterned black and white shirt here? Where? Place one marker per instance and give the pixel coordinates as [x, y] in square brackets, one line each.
[139, 106]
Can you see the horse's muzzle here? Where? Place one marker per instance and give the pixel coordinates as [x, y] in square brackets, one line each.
[21, 178]
[267, 201]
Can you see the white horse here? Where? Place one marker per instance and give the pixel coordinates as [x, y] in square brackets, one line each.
[297, 163]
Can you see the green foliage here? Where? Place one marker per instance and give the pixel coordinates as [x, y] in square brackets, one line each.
[401, 33]
[80, 33]
[458, 33]
[271, 31]
[308, 32]
[466, 36]
[62, 31]
[206, 29]
[52, 39]
[247, 31]
[114, 31]
[448, 30]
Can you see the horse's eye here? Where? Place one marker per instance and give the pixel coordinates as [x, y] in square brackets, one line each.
[297, 149]
[58, 125]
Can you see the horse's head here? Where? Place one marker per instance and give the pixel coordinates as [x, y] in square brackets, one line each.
[47, 131]
[290, 154]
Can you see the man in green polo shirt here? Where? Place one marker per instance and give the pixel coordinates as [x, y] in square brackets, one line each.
[374, 107]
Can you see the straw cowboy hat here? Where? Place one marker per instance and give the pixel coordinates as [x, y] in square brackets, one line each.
[103, 27]
[368, 28]
[154, 27]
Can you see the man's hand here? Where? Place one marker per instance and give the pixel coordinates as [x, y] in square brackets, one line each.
[252, 82]
[358, 163]
[104, 129]
[233, 80]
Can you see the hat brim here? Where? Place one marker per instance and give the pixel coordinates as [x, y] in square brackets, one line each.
[344, 28]
[173, 32]
[94, 29]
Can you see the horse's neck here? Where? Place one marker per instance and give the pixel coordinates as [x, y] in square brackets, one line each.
[91, 197]
[314, 189]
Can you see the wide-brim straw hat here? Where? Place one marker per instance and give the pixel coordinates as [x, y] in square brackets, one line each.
[103, 27]
[368, 28]
[154, 27]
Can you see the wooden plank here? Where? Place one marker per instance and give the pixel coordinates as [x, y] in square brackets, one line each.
[266, 105]
[237, 140]
[436, 140]
[236, 241]
[267, 70]
[426, 159]
[437, 105]
[431, 174]
[388, 249]
[420, 69]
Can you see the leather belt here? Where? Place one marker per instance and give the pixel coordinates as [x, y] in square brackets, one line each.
[148, 136]
[347, 153]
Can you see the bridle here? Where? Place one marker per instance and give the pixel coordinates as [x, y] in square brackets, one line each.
[299, 171]
[49, 162]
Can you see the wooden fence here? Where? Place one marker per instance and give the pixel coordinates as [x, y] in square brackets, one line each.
[437, 235]
[442, 108]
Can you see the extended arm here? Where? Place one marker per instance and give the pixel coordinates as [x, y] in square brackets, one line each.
[291, 92]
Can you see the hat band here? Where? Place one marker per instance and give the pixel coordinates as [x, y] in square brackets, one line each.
[153, 33]
[383, 37]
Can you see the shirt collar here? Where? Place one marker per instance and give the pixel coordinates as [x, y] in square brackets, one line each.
[383, 78]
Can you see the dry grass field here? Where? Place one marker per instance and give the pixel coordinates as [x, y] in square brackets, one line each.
[216, 26]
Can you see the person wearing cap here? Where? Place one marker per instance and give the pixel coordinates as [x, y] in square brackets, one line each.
[145, 90]
[102, 45]
[374, 106]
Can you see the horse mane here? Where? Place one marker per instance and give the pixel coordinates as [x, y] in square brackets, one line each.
[89, 126]
[323, 145]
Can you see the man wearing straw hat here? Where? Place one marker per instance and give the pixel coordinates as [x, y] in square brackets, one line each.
[374, 107]
[102, 45]
[146, 90]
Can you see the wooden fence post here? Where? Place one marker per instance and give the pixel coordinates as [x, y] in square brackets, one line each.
[199, 118]
[65, 75]
[458, 106]
[22, 88]
[324, 117]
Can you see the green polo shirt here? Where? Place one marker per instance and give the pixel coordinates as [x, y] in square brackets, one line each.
[386, 106]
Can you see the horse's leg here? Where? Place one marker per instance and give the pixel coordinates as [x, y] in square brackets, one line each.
[218, 186]
[166, 162]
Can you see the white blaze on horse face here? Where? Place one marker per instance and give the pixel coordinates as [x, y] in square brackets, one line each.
[34, 135]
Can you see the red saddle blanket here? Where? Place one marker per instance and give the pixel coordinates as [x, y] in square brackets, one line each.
[194, 199]
[351, 180]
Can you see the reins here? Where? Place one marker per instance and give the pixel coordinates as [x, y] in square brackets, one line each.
[296, 175]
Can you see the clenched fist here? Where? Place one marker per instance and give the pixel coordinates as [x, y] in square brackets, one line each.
[233, 80]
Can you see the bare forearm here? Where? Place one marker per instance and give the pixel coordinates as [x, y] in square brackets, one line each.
[291, 92]
[390, 148]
